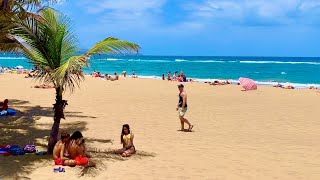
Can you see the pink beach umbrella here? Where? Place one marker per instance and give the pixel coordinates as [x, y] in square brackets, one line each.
[248, 84]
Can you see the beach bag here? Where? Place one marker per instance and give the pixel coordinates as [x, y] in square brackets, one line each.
[29, 148]
[16, 150]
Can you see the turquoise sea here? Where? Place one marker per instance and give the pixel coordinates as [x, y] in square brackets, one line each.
[301, 71]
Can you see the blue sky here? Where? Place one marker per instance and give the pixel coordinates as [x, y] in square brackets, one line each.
[201, 27]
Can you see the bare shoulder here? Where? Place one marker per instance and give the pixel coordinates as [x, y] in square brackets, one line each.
[59, 144]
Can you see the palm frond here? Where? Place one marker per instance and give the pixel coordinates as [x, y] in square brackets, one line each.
[70, 73]
[114, 46]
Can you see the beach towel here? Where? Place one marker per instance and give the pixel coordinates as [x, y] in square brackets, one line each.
[4, 151]
[29, 148]
[16, 150]
[8, 112]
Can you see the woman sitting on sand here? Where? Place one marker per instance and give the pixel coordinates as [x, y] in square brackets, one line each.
[127, 141]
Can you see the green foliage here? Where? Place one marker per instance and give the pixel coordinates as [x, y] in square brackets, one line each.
[48, 40]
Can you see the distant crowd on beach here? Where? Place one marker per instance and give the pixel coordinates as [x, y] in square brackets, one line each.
[114, 77]
[180, 78]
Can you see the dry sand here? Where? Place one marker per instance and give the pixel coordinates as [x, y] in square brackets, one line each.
[265, 134]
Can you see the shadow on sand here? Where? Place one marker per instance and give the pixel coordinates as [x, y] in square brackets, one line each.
[23, 129]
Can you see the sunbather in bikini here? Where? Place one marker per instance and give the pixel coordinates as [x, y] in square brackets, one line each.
[126, 139]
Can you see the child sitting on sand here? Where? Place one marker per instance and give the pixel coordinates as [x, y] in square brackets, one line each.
[126, 139]
[60, 153]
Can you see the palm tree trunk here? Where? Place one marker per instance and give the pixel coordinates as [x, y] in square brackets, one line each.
[58, 115]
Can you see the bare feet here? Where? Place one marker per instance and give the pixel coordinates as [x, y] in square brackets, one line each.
[190, 128]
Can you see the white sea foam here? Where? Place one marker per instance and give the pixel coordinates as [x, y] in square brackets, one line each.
[180, 60]
[283, 73]
[208, 61]
[112, 59]
[5, 58]
[153, 60]
[279, 62]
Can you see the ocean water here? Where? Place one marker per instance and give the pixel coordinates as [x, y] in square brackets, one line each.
[265, 70]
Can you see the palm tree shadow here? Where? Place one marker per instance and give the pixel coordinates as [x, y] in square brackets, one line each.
[103, 155]
[23, 129]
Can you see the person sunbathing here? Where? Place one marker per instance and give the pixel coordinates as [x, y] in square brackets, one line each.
[60, 152]
[29, 75]
[313, 87]
[4, 105]
[278, 85]
[218, 83]
[77, 150]
[44, 86]
[126, 139]
[288, 87]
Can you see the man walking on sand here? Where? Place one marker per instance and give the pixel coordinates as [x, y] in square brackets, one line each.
[182, 108]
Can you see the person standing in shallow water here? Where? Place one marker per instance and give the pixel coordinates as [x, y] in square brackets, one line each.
[182, 108]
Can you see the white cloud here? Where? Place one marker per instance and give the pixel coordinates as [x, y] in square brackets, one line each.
[261, 12]
[123, 5]
[132, 15]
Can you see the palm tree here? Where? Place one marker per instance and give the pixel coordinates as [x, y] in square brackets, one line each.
[47, 40]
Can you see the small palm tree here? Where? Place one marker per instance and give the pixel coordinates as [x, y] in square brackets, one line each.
[47, 40]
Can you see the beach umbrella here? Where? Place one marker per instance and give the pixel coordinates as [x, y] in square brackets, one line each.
[19, 67]
[248, 84]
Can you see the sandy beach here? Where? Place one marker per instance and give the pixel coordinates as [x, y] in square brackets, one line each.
[265, 134]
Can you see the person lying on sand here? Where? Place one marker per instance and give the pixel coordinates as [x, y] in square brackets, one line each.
[29, 75]
[218, 83]
[288, 87]
[44, 86]
[60, 152]
[77, 150]
[313, 87]
[126, 140]
[278, 85]
[4, 105]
